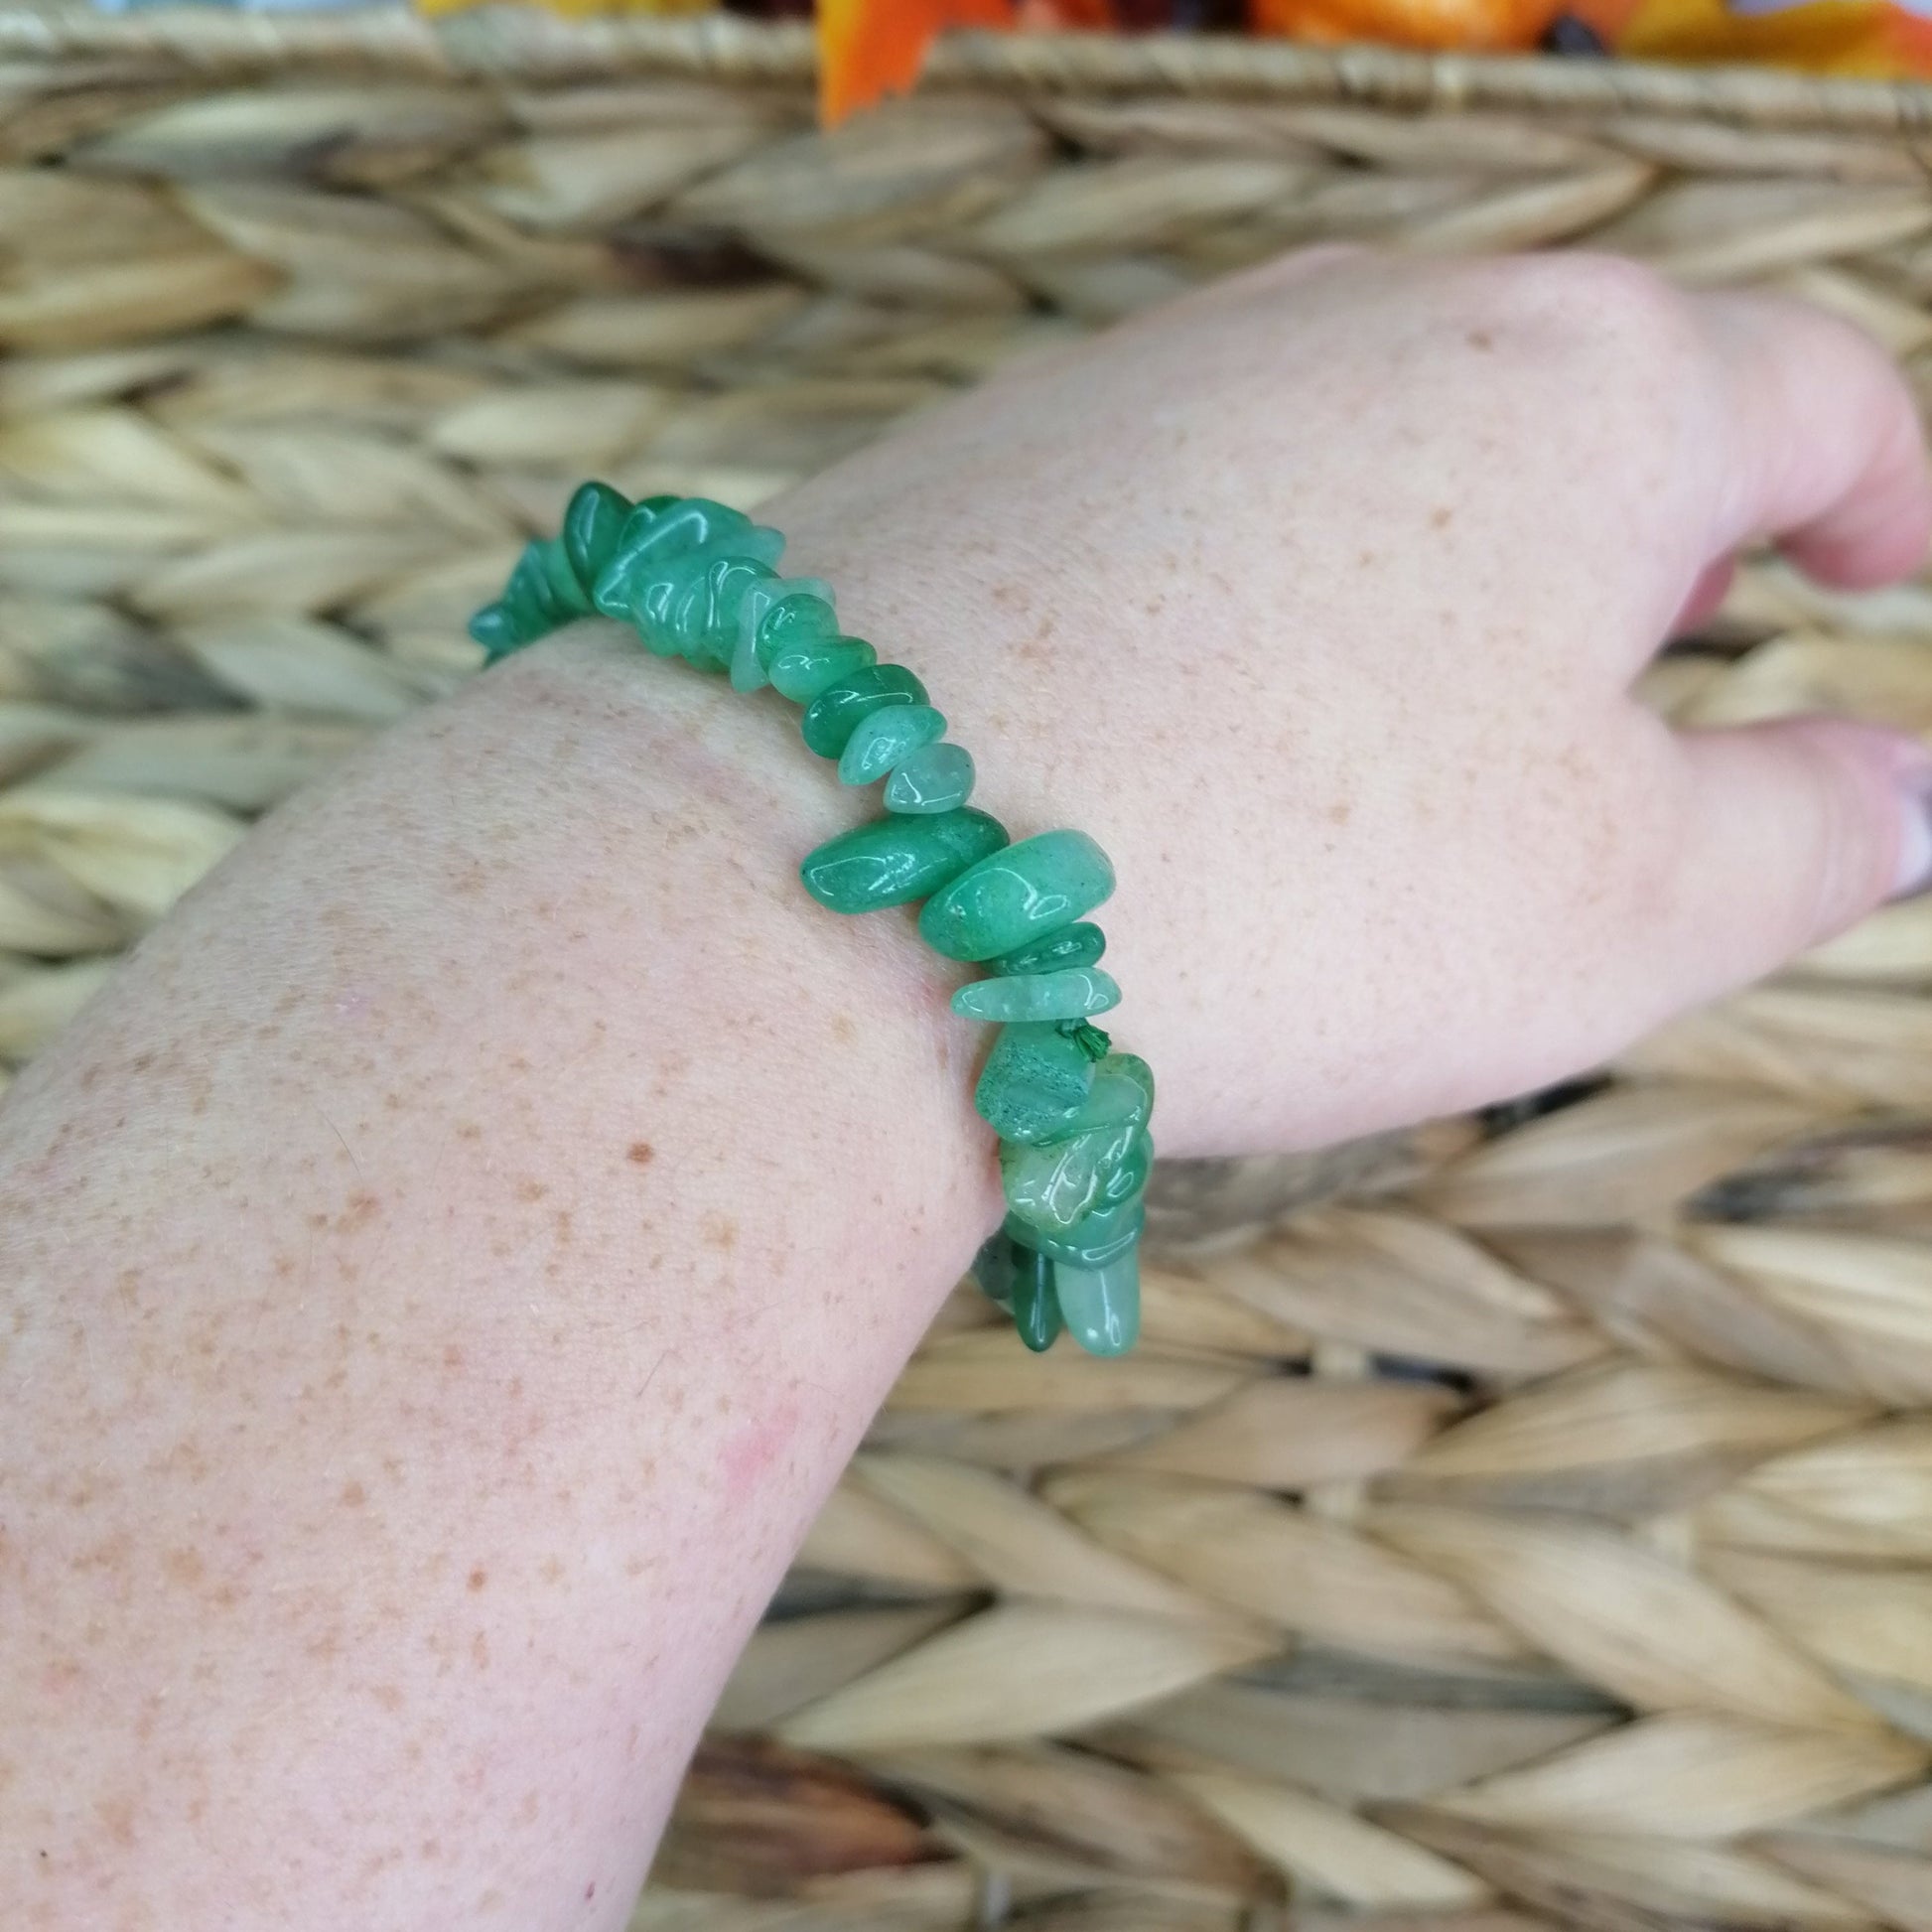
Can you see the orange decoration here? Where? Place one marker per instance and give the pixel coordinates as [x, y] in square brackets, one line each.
[1474, 24]
[1908, 39]
[868, 49]
[1606, 19]
[1846, 37]
[1063, 16]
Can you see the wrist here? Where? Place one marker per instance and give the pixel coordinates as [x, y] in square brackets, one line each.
[696, 581]
[825, 1041]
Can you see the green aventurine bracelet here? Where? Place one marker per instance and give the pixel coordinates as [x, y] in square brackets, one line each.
[698, 581]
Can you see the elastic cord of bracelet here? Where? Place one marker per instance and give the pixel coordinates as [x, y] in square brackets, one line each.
[699, 581]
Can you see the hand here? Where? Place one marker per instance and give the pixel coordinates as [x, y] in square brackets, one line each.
[532, 1193]
[1317, 599]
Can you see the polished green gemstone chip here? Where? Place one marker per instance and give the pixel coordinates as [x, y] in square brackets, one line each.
[934, 778]
[892, 861]
[1079, 944]
[1069, 995]
[833, 716]
[1104, 1231]
[1035, 1083]
[801, 667]
[749, 662]
[879, 741]
[996, 1267]
[1101, 1306]
[1020, 895]
[1054, 1183]
[593, 525]
[1035, 1305]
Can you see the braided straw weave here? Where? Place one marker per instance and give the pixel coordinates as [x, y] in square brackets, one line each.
[1518, 1523]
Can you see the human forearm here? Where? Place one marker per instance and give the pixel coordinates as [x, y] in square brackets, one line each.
[449, 1267]
[389, 1492]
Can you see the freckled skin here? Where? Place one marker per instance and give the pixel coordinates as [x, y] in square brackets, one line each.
[407, 1409]
[425, 1435]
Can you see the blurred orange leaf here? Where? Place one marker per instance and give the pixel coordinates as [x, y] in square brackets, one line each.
[868, 49]
[1846, 37]
[1409, 23]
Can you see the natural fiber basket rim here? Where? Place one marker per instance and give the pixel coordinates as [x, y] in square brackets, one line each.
[528, 44]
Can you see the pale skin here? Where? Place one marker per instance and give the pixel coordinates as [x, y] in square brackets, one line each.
[445, 1272]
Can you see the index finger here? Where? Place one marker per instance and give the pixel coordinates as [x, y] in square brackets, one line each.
[1825, 454]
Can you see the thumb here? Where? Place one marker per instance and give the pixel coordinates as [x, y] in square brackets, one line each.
[1794, 831]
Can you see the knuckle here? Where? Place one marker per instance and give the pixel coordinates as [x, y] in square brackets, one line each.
[1594, 305]
[1611, 363]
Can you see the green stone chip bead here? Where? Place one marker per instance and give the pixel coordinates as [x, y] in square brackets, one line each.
[995, 1267]
[531, 606]
[1053, 1184]
[1136, 1069]
[1131, 1176]
[706, 617]
[566, 591]
[613, 592]
[497, 632]
[1098, 1238]
[748, 665]
[1123, 1089]
[879, 741]
[709, 619]
[657, 551]
[934, 778]
[1019, 894]
[691, 523]
[892, 861]
[1079, 944]
[801, 610]
[1035, 1305]
[1072, 995]
[1101, 1307]
[554, 582]
[1035, 1082]
[594, 520]
[688, 608]
[804, 667]
[833, 716]
[529, 595]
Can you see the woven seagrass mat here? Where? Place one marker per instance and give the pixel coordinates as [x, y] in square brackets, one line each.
[1521, 1522]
